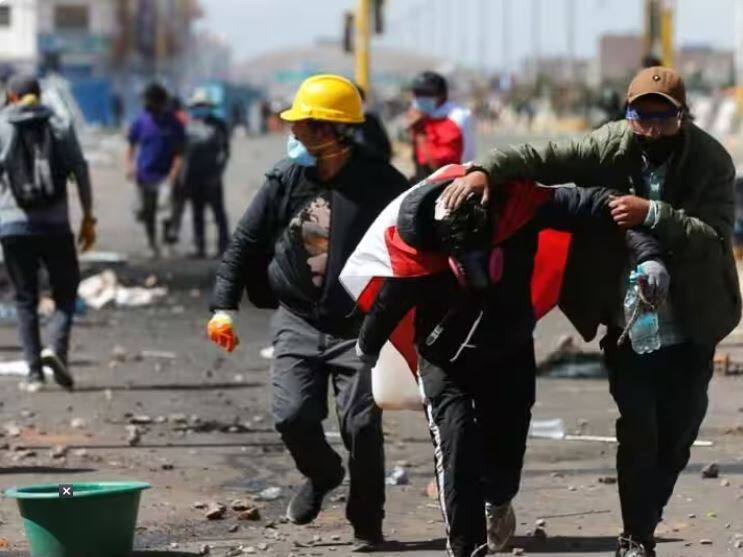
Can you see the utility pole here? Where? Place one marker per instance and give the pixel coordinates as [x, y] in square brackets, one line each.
[362, 43]
[659, 30]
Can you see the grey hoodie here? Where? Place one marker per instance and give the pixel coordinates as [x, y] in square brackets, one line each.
[15, 221]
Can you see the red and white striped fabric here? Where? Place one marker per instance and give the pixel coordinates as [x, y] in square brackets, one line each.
[383, 254]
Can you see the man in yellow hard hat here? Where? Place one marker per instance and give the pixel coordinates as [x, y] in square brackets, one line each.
[287, 252]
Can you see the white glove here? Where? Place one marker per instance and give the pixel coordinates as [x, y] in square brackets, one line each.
[657, 280]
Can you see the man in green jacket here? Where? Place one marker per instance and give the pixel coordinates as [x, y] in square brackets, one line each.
[678, 182]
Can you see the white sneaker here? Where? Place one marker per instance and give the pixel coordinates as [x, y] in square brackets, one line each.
[267, 353]
[501, 525]
[153, 253]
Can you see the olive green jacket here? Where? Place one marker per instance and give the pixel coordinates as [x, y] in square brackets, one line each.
[695, 225]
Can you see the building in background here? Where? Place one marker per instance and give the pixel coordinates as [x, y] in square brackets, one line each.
[704, 67]
[105, 49]
[18, 32]
[620, 56]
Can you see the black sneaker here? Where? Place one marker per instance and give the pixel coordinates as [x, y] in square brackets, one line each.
[307, 502]
[61, 373]
[367, 541]
[629, 547]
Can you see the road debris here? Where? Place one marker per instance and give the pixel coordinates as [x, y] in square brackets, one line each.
[58, 452]
[269, 494]
[252, 514]
[398, 476]
[78, 423]
[711, 471]
[215, 511]
[547, 429]
[133, 435]
[103, 289]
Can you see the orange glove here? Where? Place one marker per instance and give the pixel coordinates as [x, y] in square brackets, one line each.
[221, 331]
[87, 236]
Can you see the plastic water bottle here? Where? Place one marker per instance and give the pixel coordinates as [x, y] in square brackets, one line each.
[644, 332]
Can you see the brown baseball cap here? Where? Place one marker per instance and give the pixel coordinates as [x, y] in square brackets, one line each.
[661, 81]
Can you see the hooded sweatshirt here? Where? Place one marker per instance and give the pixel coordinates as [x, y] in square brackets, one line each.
[15, 221]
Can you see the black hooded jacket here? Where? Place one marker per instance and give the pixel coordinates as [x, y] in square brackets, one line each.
[280, 238]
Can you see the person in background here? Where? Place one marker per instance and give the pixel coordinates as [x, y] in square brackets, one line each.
[176, 107]
[441, 132]
[38, 153]
[372, 136]
[287, 253]
[156, 141]
[205, 158]
[677, 182]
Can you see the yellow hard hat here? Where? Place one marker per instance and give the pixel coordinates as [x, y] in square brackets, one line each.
[326, 97]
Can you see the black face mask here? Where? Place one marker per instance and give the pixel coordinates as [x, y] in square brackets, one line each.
[659, 150]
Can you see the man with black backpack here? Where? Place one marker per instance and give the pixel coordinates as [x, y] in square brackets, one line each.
[204, 160]
[287, 252]
[38, 153]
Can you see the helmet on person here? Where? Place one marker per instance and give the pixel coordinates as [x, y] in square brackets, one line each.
[430, 84]
[328, 98]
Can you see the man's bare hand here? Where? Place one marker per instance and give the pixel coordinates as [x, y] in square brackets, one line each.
[629, 211]
[474, 183]
[414, 118]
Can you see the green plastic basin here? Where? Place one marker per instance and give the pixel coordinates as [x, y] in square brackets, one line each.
[98, 520]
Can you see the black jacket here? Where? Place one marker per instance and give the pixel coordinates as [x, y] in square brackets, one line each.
[445, 315]
[259, 258]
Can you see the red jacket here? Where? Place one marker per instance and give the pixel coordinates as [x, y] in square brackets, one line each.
[438, 142]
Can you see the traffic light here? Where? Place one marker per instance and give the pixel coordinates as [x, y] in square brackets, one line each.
[378, 16]
[348, 32]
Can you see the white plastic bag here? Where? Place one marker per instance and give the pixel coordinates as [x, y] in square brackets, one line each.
[393, 386]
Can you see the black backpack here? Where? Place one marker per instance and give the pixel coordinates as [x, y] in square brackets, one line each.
[205, 151]
[35, 178]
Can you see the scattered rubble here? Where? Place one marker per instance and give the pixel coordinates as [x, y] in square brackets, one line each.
[58, 452]
[269, 494]
[398, 476]
[252, 514]
[711, 471]
[78, 423]
[215, 511]
[134, 435]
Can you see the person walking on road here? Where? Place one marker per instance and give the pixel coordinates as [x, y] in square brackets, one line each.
[39, 151]
[156, 141]
[287, 252]
[677, 182]
[441, 131]
[205, 158]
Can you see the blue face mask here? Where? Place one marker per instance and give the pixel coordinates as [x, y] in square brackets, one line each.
[427, 105]
[298, 153]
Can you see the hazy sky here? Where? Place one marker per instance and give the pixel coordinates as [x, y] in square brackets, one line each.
[467, 30]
